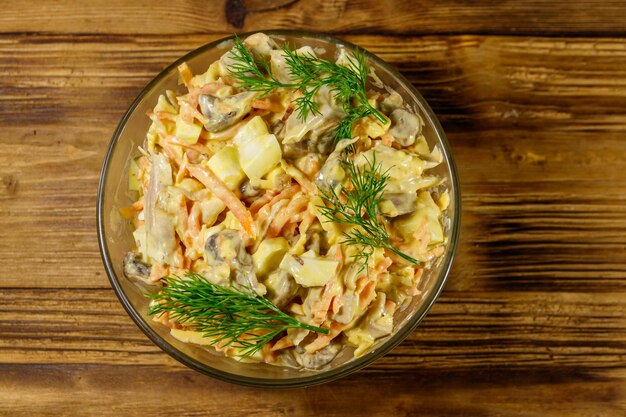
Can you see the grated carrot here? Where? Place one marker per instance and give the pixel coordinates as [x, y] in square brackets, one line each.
[283, 343]
[294, 207]
[387, 139]
[261, 201]
[198, 147]
[300, 178]
[323, 340]
[219, 189]
[287, 193]
[268, 104]
[157, 272]
[290, 230]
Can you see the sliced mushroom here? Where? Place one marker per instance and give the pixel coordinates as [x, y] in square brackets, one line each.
[318, 359]
[322, 143]
[277, 127]
[391, 101]
[135, 269]
[226, 247]
[397, 204]
[349, 303]
[281, 288]
[260, 45]
[378, 322]
[332, 172]
[171, 98]
[278, 63]
[329, 113]
[405, 126]
[249, 190]
[294, 150]
[225, 112]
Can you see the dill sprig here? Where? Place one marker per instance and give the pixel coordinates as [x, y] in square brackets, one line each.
[309, 74]
[227, 316]
[358, 205]
[253, 74]
[344, 127]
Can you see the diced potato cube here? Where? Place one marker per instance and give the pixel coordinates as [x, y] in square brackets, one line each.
[211, 208]
[387, 208]
[231, 222]
[253, 129]
[374, 128]
[310, 272]
[444, 201]
[361, 339]
[260, 156]
[225, 165]
[259, 151]
[151, 137]
[188, 336]
[211, 75]
[187, 132]
[163, 105]
[275, 175]
[269, 254]
[427, 212]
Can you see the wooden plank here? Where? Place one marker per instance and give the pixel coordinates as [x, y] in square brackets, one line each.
[532, 320]
[536, 124]
[544, 17]
[464, 330]
[54, 390]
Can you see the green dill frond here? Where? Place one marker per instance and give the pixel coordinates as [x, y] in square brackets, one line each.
[358, 205]
[228, 316]
[254, 75]
[309, 74]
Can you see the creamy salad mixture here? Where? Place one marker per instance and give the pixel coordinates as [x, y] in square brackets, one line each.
[274, 178]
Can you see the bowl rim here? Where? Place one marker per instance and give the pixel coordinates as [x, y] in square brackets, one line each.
[323, 376]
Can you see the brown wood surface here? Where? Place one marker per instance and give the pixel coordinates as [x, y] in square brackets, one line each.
[532, 95]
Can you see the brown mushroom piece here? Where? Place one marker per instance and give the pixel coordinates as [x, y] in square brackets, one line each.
[226, 247]
[332, 172]
[317, 359]
[249, 190]
[281, 288]
[378, 322]
[294, 150]
[405, 126]
[225, 112]
[260, 46]
[322, 143]
[135, 269]
[397, 204]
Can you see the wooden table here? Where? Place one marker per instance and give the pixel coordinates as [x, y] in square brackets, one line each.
[532, 95]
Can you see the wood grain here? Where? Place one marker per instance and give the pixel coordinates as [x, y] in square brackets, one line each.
[123, 390]
[535, 163]
[404, 17]
[464, 331]
[532, 320]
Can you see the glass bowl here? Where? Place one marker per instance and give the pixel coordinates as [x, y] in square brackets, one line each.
[115, 237]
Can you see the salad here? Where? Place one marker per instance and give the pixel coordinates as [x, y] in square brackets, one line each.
[285, 208]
